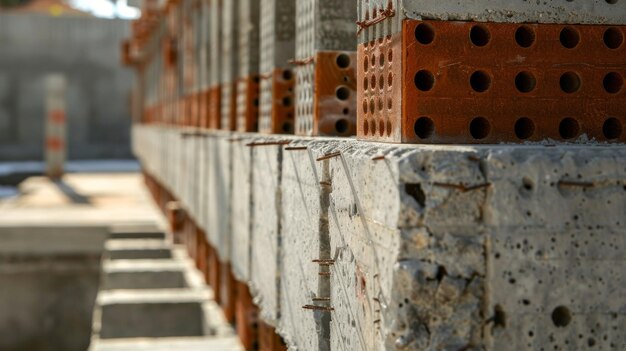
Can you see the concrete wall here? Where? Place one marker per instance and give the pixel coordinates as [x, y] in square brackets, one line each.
[86, 50]
[49, 278]
[493, 247]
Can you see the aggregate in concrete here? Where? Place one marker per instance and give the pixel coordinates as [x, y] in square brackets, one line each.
[441, 247]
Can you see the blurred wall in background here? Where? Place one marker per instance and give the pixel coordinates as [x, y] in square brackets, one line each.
[87, 51]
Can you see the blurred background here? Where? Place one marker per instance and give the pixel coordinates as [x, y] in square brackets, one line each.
[80, 40]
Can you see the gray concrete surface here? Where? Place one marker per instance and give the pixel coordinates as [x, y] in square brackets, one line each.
[52, 237]
[438, 247]
[143, 274]
[225, 343]
[125, 249]
[151, 313]
[242, 208]
[84, 49]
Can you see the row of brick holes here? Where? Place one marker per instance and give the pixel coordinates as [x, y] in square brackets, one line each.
[525, 82]
[343, 93]
[524, 36]
[524, 128]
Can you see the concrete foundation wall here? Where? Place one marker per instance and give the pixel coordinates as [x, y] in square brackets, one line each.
[86, 51]
[49, 279]
[428, 247]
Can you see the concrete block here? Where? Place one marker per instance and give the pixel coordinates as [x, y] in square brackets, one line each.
[143, 274]
[304, 239]
[151, 313]
[219, 194]
[242, 207]
[126, 249]
[277, 47]
[266, 228]
[324, 30]
[433, 246]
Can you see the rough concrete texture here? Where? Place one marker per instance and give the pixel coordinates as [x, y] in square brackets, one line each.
[576, 11]
[266, 227]
[456, 247]
[219, 194]
[86, 51]
[242, 208]
[305, 238]
[570, 11]
[441, 247]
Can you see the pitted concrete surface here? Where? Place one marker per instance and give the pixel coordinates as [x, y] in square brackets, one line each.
[439, 247]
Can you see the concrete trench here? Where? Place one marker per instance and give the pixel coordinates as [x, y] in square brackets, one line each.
[100, 288]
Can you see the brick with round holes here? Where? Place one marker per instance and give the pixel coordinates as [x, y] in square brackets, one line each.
[465, 82]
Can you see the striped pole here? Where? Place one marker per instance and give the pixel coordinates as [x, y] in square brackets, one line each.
[55, 143]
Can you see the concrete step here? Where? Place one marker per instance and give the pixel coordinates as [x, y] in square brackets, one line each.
[117, 249]
[144, 274]
[137, 233]
[152, 313]
[218, 343]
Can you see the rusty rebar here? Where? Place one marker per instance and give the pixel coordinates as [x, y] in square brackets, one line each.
[462, 187]
[576, 184]
[302, 62]
[329, 156]
[295, 148]
[269, 143]
[318, 308]
[383, 15]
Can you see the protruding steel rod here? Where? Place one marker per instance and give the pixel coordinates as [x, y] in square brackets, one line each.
[331, 155]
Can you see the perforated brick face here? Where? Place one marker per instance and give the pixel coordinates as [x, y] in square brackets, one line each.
[465, 82]
[277, 47]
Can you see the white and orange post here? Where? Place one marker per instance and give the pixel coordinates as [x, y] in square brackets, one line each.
[56, 129]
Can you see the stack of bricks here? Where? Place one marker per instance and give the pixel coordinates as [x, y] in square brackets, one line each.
[326, 68]
[229, 63]
[277, 48]
[248, 78]
[518, 72]
[215, 38]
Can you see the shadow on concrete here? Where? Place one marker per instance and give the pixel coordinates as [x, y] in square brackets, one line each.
[72, 194]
